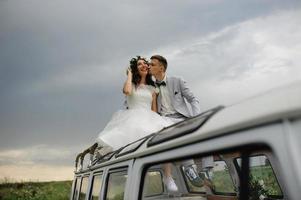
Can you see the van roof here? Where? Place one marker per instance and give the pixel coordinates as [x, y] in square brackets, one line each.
[274, 105]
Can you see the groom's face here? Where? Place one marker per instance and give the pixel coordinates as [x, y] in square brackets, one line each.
[156, 67]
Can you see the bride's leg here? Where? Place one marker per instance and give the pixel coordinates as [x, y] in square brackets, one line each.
[167, 177]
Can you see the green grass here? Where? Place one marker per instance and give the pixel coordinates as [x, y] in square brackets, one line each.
[266, 174]
[222, 182]
[58, 190]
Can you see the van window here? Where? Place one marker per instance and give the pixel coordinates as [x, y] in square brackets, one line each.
[84, 188]
[96, 186]
[76, 189]
[195, 178]
[153, 184]
[214, 176]
[262, 176]
[221, 178]
[208, 172]
[116, 185]
[192, 178]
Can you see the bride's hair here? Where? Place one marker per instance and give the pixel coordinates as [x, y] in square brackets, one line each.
[136, 77]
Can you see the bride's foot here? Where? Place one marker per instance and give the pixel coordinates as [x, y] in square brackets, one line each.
[103, 150]
[170, 184]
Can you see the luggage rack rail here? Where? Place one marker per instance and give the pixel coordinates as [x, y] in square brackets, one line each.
[94, 157]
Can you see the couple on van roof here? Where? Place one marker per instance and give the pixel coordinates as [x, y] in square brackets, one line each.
[152, 105]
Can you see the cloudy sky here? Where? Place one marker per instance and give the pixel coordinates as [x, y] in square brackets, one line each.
[62, 65]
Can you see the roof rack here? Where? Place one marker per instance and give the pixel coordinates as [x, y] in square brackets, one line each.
[183, 128]
[103, 158]
[81, 156]
[95, 157]
[132, 146]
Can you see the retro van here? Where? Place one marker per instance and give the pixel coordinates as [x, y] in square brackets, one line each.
[247, 151]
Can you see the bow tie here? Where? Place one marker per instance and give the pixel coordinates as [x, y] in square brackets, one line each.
[160, 83]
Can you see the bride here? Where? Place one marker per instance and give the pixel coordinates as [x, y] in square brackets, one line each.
[141, 118]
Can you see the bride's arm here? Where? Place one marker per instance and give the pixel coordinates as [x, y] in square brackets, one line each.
[127, 87]
[154, 102]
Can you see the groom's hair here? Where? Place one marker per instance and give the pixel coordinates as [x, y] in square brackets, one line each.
[161, 59]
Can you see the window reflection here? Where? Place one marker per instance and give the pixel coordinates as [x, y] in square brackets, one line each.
[153, 183]
[116, 185]
[84, 188]
[96, 186]
[263, 180]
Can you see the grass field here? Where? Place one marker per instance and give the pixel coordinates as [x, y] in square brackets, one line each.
[58, 190]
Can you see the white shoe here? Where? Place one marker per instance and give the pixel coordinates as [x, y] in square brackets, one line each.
[170, 184]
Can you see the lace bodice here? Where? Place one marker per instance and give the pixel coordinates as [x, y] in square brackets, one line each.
[141, 97]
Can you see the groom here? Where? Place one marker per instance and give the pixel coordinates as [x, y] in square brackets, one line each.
[175, 103]
[175, 100]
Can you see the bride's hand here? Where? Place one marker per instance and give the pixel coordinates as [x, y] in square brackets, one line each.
[129, 71]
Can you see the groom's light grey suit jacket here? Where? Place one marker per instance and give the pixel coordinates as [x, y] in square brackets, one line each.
[181, 97]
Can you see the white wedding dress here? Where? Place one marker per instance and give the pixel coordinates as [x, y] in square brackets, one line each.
[133, 123]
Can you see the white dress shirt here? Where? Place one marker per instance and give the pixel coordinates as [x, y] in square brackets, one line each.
[166, 105]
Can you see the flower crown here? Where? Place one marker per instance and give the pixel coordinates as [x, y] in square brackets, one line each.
[133, 61]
